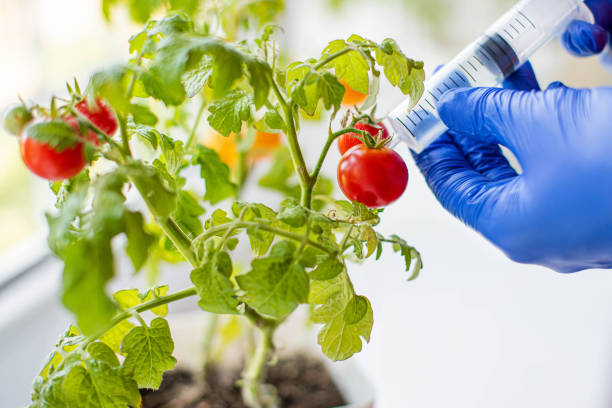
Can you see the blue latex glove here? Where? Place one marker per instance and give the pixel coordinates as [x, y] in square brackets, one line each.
[584, 39]
[558, 212]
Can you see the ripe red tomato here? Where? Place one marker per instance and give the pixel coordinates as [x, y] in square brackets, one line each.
[50, 164]
[374, 177]
[347, 140]
[100, 115]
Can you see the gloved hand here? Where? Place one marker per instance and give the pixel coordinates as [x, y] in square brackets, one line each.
[584, 39]
[558, 212]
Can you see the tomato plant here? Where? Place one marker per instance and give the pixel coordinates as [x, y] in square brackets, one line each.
[300, 250]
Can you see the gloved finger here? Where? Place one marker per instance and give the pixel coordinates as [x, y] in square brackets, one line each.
[462, 190]
[486, 158]
[487, 113]
[584, 39]
[523, 79]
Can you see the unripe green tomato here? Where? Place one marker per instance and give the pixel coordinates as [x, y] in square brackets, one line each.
[15, 119]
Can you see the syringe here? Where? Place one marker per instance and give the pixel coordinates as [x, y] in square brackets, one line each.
[504, 47]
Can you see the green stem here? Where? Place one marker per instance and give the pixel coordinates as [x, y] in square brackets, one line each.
[254, 373]
[194, 129]
[332, 57]
[207, 343]
[294, 146]
[247, 224]
[180, 240]
[124, 135]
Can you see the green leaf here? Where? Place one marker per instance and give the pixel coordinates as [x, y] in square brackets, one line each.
[141, 10]
[61, 226]
[352, 66]
[327, 270]
[215, 173]
[97, 384]
[228, 114]
[411, 256]
[101, 352]
[259, 73]
[344, 322]
[56, 133]
[149, 182]
[155, 293]
[172, 153]
[180, 54]
[368, 235]
[260, 240]
[129, 298]
[195, 80]
[143, 115]
[400, 70]
[275, 121]
[114, 336]
[111, 85]
[215, 289]
[147, 134]
[189, 7]
[276, 284]
[307, 86]
[187, 214]
[148, 352]
[293, 214]
[139, 241]
[88, 266]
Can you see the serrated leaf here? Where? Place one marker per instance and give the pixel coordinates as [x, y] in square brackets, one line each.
[172, 153]
[114, 336]
[228, 114]
[274, 121]
[97, 384]
[143, 115]
[154, 293]
[139, 240]
[368, 235]
[147, 134]
[61, 229]
[339, 338]
[352, 66]
[412, 257]
[195, 80]
[216, 291]
[56, 133]
[187, 214]
[307, 86]
[327, 270]
[88, 266]
[259, 73]
[400, 70]
[148, 352]
[215, 173]
[293, 214]
[101, 352]
[150, 183]
[111, 85]
[259, 239]
[276, 284]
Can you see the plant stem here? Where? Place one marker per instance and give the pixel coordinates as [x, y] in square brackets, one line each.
[180, 240]
[194, 129]
[254, 372]
[294, 146]
[247, 224]
[207, 343]
[143, 307]
[124, 134]
[307, 199]
[332, 57]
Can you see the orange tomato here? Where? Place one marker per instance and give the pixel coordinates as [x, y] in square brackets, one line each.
[351, 97]
[226, 147]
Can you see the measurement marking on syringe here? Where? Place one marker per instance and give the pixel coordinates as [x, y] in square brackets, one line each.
[418, 116]
[454, 82]
[489, 50]
[484, 55]
[515, 29]
[410, 119]
[404, 125]
[434, 96]
[430, 104]
[479, 61]
[520, 22]
[472, 65]
[509, 35]
[527, 18]
[467, 72]
[424, 110]
[461, 77]
[446, 85]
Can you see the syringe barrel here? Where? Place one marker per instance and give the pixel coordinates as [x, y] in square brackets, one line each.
[506, 45]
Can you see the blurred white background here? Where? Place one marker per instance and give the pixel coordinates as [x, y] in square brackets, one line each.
[475, 330]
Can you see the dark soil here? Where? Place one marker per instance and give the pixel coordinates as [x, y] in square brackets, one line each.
[302, 382]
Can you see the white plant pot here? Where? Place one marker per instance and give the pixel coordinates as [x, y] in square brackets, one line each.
[292, 337]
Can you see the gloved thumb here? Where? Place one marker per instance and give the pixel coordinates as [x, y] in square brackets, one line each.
[489, 114]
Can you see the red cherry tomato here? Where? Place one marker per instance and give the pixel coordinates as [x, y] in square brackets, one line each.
[100, 115]
[374, 177]
[50, 164]
[348, 140]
